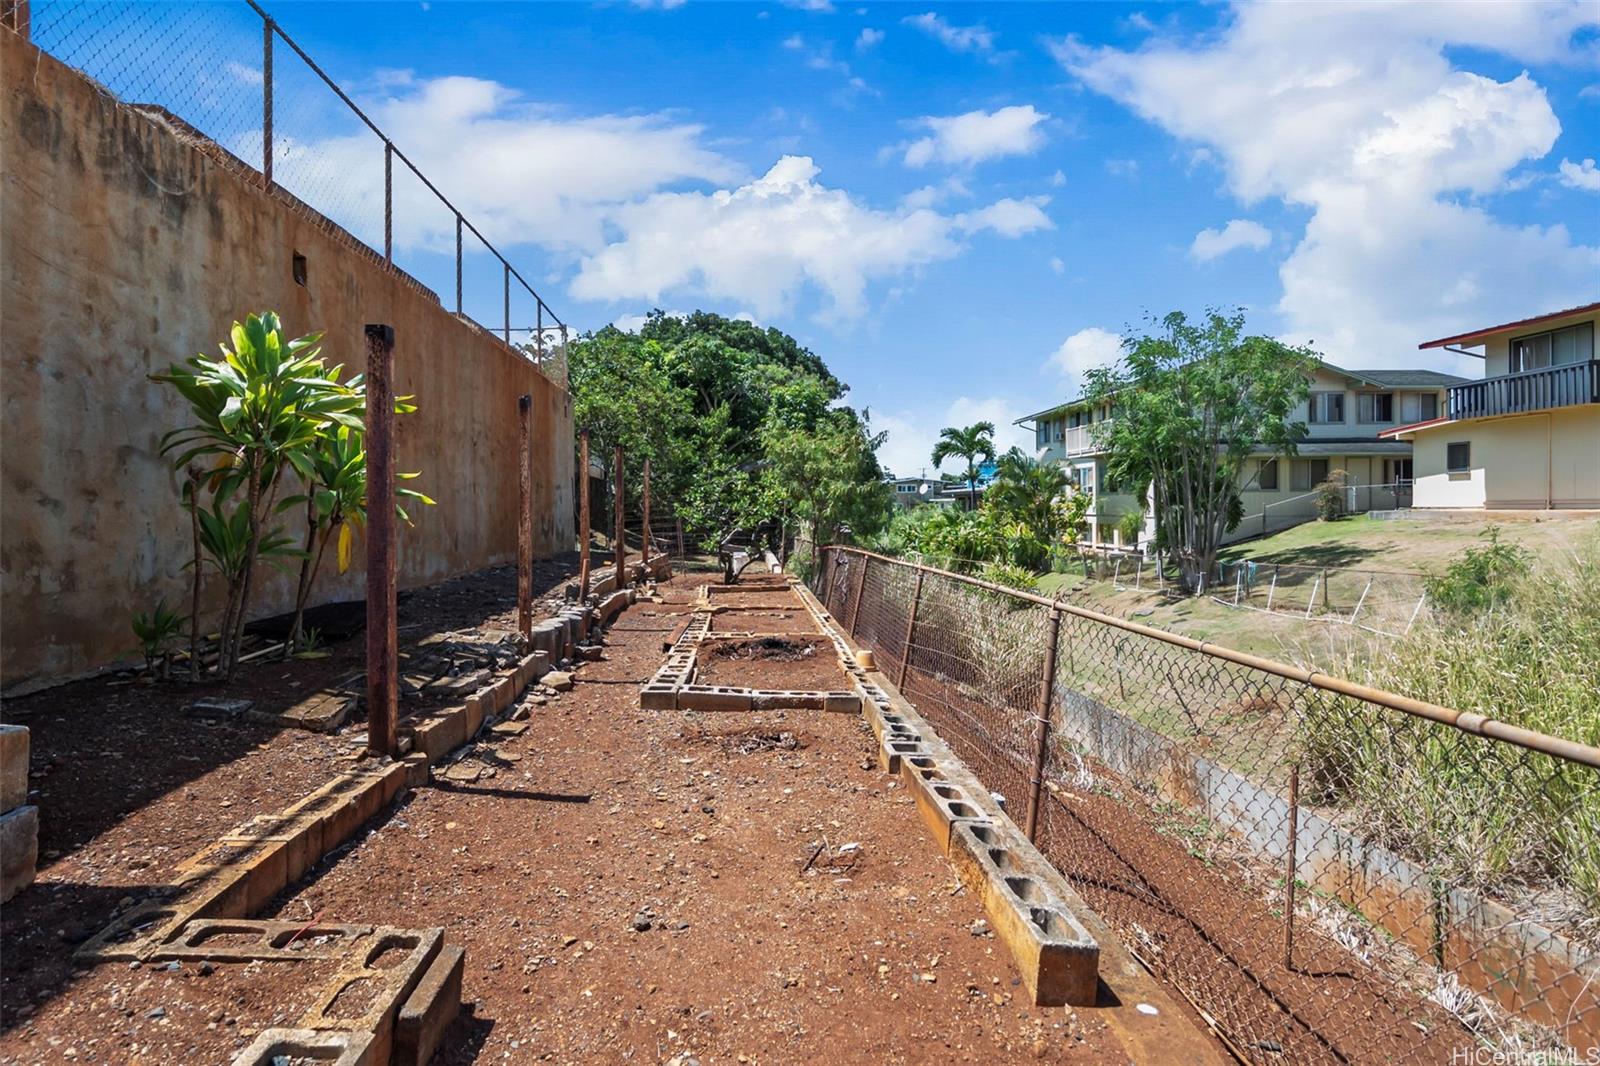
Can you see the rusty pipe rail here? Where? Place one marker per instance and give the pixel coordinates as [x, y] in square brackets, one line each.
[1465, 721]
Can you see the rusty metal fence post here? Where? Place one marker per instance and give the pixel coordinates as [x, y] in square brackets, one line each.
[266, 103]
[382, 665]
[645, 529]
[911, 632]
[619, 531]
[678, 523]
[583, 517]
[1290, 866]
[1047, 688]
[525, 516]
[861, 585]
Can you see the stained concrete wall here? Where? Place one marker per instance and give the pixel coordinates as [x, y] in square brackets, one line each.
[125, 246]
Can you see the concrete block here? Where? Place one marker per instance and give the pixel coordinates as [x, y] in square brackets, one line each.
[842, 703]
[368, 997]
[416, 765]
[501, 695]
[428, 1011]
[332, 1047]
[943, 805]
[13, 766]
[19, 849]
[442, 735]
[476, 708]
[767, 700]
[658, 697]
[713, 698]
[1057, 958]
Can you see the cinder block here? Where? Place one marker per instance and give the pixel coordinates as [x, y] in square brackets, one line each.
[895, 750]
[19, 849]
[475, 710]
[1057, 958]
[713, 698]
[842, 703]
[442, 735]
[428, 1011]
[384, 988]
[658, 697]
[763, 700]
[333, 1047]
[416, 765]
[13, 766]
[504, 691]
[942, 805]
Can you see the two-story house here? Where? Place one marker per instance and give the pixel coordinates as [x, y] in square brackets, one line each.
[1525, 436]
[1345, 414]
[911, 491]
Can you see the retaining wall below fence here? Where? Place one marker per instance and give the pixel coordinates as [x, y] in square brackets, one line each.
[127, 245]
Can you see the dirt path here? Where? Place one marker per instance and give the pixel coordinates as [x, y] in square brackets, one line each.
[634, 886]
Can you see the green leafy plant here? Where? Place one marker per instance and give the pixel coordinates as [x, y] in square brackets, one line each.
[1330, 496]
[971, 443]
[156, 630]
[259, 409]
[1131, 525]
[1014, 577]
[1480, 577]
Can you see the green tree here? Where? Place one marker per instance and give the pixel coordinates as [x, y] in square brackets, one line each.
[971, 443]
[827, 476]
[1192, 401]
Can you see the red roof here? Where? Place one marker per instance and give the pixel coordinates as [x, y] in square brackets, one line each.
[1479, 334]
[1397, 430]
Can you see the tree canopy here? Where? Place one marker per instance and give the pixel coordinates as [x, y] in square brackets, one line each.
[741, 424]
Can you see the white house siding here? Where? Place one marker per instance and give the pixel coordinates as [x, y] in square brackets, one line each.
[1548, 459]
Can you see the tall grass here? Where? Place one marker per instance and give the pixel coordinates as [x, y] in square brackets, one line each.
[1470, 809]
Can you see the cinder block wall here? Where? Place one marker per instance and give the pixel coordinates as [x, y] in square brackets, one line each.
[124, 247]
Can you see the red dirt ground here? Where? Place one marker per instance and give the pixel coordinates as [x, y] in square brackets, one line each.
[129, 786]
[701, 827]
[795, 663]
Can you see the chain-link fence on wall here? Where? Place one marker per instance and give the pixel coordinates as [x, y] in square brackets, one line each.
[1328, 873]
[228, 78]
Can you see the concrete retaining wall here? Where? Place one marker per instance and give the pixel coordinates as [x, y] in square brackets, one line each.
[126, 247]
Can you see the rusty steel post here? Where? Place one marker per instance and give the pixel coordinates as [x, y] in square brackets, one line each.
[382, 666]
[911, 633]
[1047, 689]
[583, 517]
[619, 547]
[266, 103]
[646, 519]
[678, 524]
[861, 585]
[388, 201]
[525, 517]
[1289, 869]
[458, 262]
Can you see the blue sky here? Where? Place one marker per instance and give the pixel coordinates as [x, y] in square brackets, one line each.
[959, 206]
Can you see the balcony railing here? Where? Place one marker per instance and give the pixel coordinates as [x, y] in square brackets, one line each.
[1531, 390]
[1080, 440]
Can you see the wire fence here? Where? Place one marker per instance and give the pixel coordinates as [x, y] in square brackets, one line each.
[1385, 602]
[1327, 872]
[229, 79]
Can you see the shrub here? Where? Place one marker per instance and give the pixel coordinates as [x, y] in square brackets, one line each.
[1480, 577]
[1014, 577]
[1330, 496]
[1130, 526]
[156, 630]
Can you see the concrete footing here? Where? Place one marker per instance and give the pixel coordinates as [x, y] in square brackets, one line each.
[19, 823]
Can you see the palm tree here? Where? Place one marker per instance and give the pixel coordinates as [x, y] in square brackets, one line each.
[1028, 490]
[970, 443]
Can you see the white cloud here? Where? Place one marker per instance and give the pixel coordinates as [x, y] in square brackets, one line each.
[823, 6]
[660, 5]
[764, 242]
[1058, 179]
[1083, 350]
[635, 322]
[869, 38]
[1122, 168]
[978, 39]
[534, 175]
[1057, 266]
[1580, 175]
[909, 448]
[975, 136]
[821, 57]
[244, 74]
[1238, 233]
[1356, 112]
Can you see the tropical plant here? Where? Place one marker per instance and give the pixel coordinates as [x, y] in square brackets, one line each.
[259, 409]
[970, 443]
[156, 630]
[1330, 496]
[335, 503]
[1130, 525]
[1479, 577]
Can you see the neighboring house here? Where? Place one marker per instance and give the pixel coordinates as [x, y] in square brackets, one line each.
[1344, 415]
[912, 491]
[1528, 433]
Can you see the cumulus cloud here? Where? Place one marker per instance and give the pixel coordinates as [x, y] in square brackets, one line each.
[1238, 233]
[1580, 175]
[1356, 112]
[978, 39]
[868, 38]
[762, 243]
[908, 451]
[976, 136]
[534, 175]
[1083, 350]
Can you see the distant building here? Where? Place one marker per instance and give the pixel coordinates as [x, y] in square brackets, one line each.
[1345, 414]
[1525, 435]
[912, 491]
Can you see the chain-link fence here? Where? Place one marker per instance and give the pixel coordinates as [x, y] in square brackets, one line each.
[1328, 873]
[229, 79]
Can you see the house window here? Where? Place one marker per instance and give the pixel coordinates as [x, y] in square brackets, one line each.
[1267, 475]
[1458, 457]
[1375, 407]
[1041, 434]
[1305, 473]
[1574, 344]
[299, 269]
[1327, 407]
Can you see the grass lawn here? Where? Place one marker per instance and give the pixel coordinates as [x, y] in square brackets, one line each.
[1402, 546]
